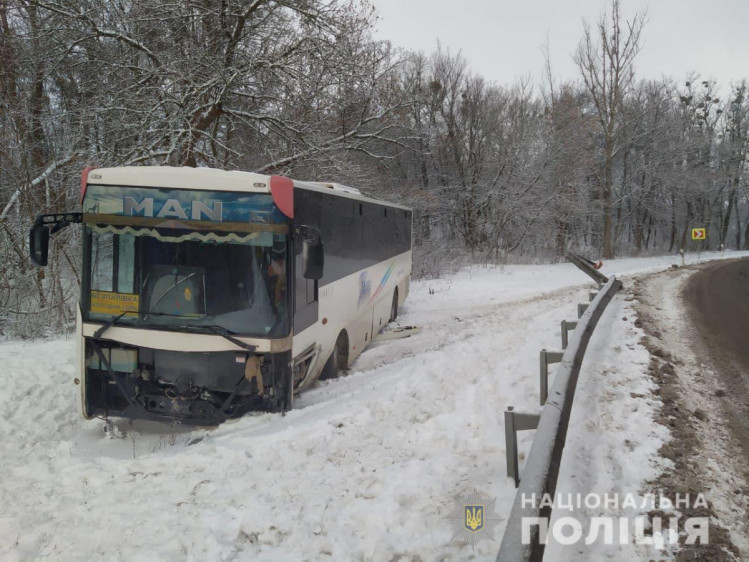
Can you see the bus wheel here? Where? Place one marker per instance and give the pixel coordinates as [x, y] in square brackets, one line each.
[338, 360]
[394, 307]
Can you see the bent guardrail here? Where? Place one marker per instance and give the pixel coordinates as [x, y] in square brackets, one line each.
[541, 468]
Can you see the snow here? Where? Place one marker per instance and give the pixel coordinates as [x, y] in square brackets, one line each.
[613, 449]
[364, 468]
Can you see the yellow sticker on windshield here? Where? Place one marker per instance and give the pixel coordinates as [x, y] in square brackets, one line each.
[188, 294]
[103, 302]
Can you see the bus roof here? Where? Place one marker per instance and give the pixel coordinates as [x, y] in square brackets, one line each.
[211, 179]
[180, 178]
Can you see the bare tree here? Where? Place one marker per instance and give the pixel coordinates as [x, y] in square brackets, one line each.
[735, 147]
[302, 88]
[605, 59]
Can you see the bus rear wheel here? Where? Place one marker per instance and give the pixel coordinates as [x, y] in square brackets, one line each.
[338, 360]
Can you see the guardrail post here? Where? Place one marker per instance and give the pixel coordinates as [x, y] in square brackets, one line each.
[566, 326]
[581, 308]
[511, 445]
[515, 422]
[547, 358]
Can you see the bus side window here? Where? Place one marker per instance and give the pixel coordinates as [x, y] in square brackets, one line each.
[112, 262]
[102, 261]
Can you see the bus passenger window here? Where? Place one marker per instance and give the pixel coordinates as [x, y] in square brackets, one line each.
[102, 262]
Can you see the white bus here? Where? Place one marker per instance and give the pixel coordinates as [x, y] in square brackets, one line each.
[206, 294]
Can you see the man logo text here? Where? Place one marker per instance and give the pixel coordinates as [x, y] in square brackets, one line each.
[173, 209]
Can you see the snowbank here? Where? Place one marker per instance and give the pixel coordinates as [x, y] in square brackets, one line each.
[365, 467]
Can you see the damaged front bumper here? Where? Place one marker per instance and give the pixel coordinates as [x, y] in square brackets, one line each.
[196, 388]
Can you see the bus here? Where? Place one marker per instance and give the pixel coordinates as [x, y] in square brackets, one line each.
[206, 294]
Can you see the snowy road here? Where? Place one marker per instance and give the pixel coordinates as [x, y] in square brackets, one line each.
[364, 468]
[703, 401]
[719, 295]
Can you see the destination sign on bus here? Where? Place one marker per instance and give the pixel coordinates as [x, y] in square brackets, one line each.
[107, 302]
[182, 204]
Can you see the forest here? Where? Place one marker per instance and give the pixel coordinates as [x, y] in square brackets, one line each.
[606, 165]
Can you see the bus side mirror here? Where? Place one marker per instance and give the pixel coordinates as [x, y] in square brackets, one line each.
[313, 257]
[44, 226]
[39, 244]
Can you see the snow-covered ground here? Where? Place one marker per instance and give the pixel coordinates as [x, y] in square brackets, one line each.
[612, 447]
[364, 468]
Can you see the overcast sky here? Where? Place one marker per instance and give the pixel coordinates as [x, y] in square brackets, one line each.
[502, 39]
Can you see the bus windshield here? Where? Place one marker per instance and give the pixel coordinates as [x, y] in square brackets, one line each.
[193, 280]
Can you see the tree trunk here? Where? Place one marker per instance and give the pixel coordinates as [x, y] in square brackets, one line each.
[738, 228]
[727, 220]
[607, 208]
[687, 222]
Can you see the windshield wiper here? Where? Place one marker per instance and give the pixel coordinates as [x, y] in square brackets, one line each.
[223, 332]
[227, 335]
[215, 328]
[108, 366]
[199, 317]
[98, 333]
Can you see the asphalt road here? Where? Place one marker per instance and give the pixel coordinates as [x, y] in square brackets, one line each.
[719, 299]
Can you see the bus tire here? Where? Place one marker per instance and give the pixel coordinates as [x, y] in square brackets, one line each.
[394, 307]
[338, 360]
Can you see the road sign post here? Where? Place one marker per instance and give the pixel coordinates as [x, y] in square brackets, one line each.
[699, 234]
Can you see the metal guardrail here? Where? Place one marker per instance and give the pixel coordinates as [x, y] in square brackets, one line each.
[589, 267]
[541, 468]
